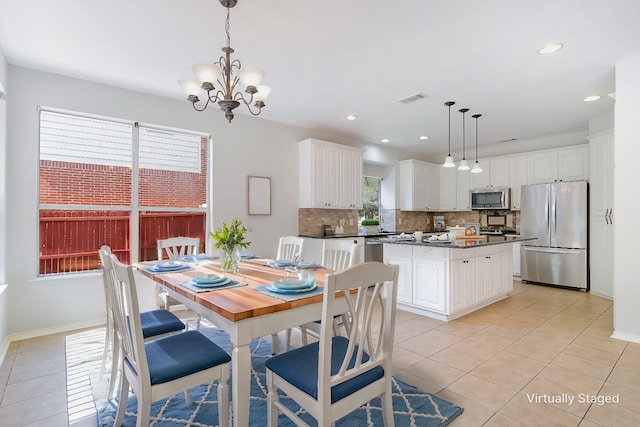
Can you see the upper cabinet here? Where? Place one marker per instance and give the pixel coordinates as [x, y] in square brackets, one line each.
[518, 176]
[454, 190]
[330, 175]
[567, 164]
[418, 185]
[495, 173]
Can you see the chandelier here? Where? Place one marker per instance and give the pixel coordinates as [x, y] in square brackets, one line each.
[227, 74]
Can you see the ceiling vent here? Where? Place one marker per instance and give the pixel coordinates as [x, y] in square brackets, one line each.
[412, 98]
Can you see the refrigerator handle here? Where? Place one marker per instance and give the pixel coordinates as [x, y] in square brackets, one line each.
[555, 214]
[546, 212]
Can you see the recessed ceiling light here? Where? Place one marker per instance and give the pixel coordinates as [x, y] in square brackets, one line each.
[591, 98]
[384, 141]
[550, 48]
[351, 117]
[424, 138]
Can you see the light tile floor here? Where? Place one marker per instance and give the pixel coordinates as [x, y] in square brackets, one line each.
[534, 359]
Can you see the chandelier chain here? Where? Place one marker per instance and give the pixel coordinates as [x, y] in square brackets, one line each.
[227, 27]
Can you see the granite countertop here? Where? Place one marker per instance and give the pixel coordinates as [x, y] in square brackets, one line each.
[459, 243]
[338, 236]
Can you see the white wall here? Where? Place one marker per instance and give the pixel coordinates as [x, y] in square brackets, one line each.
[3, 205]
[626, 204]
[248, 146]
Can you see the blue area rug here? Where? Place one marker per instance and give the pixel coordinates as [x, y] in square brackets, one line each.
[411, 407]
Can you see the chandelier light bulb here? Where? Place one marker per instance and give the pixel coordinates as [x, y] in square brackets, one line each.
[207, 73]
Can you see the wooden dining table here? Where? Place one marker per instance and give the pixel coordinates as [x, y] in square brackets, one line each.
[242, 312]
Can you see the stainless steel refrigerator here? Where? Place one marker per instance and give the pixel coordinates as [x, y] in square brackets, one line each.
[556, 215]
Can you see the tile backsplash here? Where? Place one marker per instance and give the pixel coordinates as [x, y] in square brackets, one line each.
[311, 222]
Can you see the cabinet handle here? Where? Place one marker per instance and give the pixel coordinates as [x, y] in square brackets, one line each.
[606, 216]
[610, 219]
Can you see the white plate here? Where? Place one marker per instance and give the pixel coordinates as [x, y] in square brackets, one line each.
[209, 279]
[168, 266]
[290, 291]
[211, 285]
[290, 282]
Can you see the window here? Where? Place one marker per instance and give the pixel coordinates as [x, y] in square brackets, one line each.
[94, 190]
[370, 198]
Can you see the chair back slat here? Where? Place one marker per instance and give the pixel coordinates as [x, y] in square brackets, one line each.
[370, 291]
[176, 247]
[107, 280]
[127, 321]
[338, 254]
[290, 248]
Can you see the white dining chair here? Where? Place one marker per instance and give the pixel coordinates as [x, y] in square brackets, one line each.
[164, 367]
[337, 255]
[155, 324]
[336, 375]
[175, 248]
[290, 248]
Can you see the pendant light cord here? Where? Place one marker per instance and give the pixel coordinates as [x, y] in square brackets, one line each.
[464, 153]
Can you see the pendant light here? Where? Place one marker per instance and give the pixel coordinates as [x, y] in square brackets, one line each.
[476, 166]
[448, 161]
[464, 165]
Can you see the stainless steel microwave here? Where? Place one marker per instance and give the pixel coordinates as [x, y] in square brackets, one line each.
[490, 198]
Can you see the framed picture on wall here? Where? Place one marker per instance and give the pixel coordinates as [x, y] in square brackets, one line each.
[258, 195]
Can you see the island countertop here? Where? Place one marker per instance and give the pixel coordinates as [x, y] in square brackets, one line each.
[461, 243]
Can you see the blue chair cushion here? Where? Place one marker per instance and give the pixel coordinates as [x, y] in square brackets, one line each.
[299, 367]
[159, 322]
[182, 354]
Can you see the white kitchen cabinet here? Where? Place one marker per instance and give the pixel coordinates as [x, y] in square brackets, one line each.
[463, 184]
[495, 173]
[401, 255]
[518, 176]
[330, 175]
[418, 185]
[500, 172]
[566, 164]
[350, 185]
[601, 225]
[453, 190]
[516, 258]
[494, 271]
[446, 283]
[447, 189]
[463, 273]
[429, 288]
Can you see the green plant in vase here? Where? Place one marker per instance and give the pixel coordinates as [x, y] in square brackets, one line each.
[230, 238]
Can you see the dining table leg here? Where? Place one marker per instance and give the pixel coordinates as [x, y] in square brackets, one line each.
[241, 384]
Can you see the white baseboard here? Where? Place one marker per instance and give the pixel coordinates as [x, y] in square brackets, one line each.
[46, 331]
[626, 337]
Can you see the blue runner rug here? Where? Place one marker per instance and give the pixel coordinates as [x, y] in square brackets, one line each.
[411, 406]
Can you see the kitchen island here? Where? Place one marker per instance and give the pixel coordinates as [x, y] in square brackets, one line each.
[448, 279]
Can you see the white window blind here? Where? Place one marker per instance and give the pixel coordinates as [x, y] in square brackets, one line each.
[77, 139]
[70, 138]
[169, 150]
